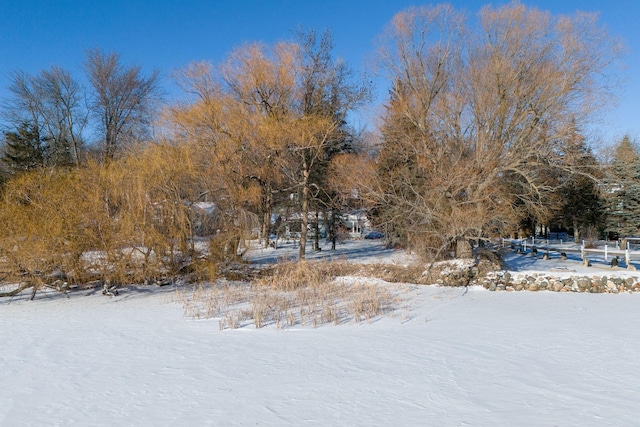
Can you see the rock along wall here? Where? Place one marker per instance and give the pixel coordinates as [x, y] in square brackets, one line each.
[488, 274]
[505, 281]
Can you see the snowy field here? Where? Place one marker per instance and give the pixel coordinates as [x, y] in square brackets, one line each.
[450, 358]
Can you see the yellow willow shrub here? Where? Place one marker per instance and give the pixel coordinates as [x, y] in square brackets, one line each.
[168, 180]
[140, 213]
[67, 224]
[110, 227]
[41, 223]
[130, 220]
[121, 222]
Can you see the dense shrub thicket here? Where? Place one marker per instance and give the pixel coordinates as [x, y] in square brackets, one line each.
[131, 220]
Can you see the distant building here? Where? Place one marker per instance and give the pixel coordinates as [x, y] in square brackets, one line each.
[356, 223]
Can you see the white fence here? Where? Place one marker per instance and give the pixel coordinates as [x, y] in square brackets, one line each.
[603, 249]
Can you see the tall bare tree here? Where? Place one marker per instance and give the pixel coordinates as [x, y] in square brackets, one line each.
[52, 104]
[480, 117]
[65, 114]
[24, 104]
[122, 99]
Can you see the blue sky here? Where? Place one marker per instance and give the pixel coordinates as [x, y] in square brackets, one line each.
[168, 34]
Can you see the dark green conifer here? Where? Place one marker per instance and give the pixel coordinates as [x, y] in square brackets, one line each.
[24, 149]
[623, 189]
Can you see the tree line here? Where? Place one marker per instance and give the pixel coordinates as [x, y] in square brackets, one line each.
[481, 135]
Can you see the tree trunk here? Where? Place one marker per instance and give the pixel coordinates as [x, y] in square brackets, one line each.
[109, 141]
[332, 229]
[463, 248]
[16, 291]
[305, 211]
[76, 151]
[266, 216]
[576, 232]
[316, 242]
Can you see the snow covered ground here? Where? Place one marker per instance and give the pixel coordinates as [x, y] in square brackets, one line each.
[451, 357]
[357, 251]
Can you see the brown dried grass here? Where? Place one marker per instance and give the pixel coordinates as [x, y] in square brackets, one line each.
[295, 294]
[313, 294]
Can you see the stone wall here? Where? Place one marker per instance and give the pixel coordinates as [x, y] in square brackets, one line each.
[505, 281]
[494, 279]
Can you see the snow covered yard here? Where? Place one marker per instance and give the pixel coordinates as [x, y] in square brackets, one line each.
[453, 358]
[445, 356]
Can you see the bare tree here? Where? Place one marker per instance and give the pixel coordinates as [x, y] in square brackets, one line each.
[65, 115]
[121, 101]
[24, 104]
[52, 104]
[480, 118]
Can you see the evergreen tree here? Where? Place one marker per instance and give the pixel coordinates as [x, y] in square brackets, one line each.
[623, 189]
[580, 203]
[24, 149]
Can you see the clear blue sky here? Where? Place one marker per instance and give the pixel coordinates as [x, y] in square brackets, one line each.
[168, 34]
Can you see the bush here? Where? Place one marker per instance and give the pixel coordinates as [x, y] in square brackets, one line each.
[128, 221]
